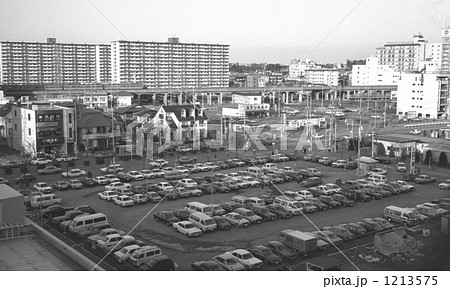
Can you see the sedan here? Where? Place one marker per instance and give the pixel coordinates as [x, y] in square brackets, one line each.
[206, 266]
[135, 175]
[265, 254]
[181, 214]
[236, 220]
[101, 180]
[74, 173]
[222, 224]
[281, 250]
[247, 259]
[88, 182]
[280, 211]
[228, 262]
[25, 178]
[187, 228]
[60, 186]
[445, 185]
[370, 225]
[75, 184]
[41, 161]
[328, 237]
[165, 217]
[49, 170]
[139, 199]
[153, 197]
[107, 195]
[354, 228]
[424, 179]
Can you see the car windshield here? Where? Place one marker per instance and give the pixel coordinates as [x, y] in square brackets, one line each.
[237, 217]
[123, 251]
[230, 261]
[167, 215]
[209, 222]
[247, 256]
[266, 252]
[264, 211]
[188, 226]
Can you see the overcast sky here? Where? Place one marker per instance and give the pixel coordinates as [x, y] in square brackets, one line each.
[257, 30]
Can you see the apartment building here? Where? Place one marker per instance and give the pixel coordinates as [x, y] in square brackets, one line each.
[324, 76]
[423, 95]
[53, 63]
[405, 55]
[170, 64]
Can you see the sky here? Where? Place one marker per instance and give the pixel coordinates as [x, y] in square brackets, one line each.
[258, 31]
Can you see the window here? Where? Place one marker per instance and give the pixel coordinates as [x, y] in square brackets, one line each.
[192, 112]
[70, 132]
[29, 131]
[70, 118]
[15, 126]
[29, 117]
[15, 112]
[183, 113]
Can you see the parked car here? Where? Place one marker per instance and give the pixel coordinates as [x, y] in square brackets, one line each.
[159, 263]
[74, 173]
[445, 185]
[247, 259]
[249, 215]
[206, 266]
[187, 228]
[354, 228]
[43, 187]
[228, 262]
[281, 250]
[222, 224]
[280, 211]
[61, 185]
[329, 201]
[311, 182]
[123, 201]
[341, 232]
[343, 200]
[339, 164]
[369, 225]
[41, 161]
[88, 182]
[75, 184]
[264, 213]
[236, 220]
[101, 180]
[153, 197]
[107, 195]
[401, 167]
[49, 170]
[424, 179]
[165, 217]
[265, 254]
[139, 199]
[25, 178]
[328, 237]
[113, 168]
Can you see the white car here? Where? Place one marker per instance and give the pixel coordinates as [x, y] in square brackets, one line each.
[108, 195]
[405, 185]
[228, 262]
[43, 187]
[123, 201]
[194, 191]
[246, 258]
[318, 136]
[445, 185]
[159, 173]
[41, 161]
[189, 183]
[135, 175]
[112, 178]
[331, 186]
[148, 174]
[100, 180]
[438, 209]
[187, 228]
[74, 173]
[184, 149]
[376, 171]
[305, 194]
[239, 162]
[164, 186]
[109, 242]
[115, 168]
[252, 181]
[114, 186]
[401, 167]
[415, 132]
[139, 199]
[339, 164]
[212, 166]
[125, 252]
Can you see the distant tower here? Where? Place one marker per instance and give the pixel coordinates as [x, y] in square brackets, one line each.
[445, 66]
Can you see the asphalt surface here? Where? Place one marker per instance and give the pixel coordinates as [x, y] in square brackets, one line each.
[139, 222]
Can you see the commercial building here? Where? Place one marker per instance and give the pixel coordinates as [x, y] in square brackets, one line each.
[170, 64]
[43, 127]
[12, 210]
[424, 95]
[246, 104]
[313, 73]
[54, 63]
[373, 73]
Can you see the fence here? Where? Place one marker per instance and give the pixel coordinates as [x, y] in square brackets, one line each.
[14, 232]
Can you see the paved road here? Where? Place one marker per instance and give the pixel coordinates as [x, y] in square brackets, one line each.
[185, 251]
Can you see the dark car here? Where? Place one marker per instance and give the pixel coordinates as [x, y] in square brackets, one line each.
[167, 195]
[265, 254]
[93, 230]
[85, 209]
[318, 204]
[153, 197]
[138, 189]
[381, 190]
[206, 266]
[88, 182]
[160, 263]
[230, 206]
[11, 164]
[69, 215]
[291, 156]
[370, 192]
[354, 228]
[390, 188]
[264, 213]
[409, 177]
[311, 182]
[222, 224]
[383, 160]
[231, 163]
[370, 225]
[25, 178]
[206, 188]
[181, 214]
[55, 211]
[280, 211]
[165, 217]
[356, 195]
[222, 165]
[221, 188]
[281, 250]
[351, 165]
[343, 200]
[124, 177]
[329, 201]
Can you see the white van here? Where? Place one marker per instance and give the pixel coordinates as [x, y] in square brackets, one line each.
[203, 222]
[194, 207]
[144, 254]
[80, 223]
[45, 200]
[241, 200]
[289, 204]
[254, 172]
[270, 166]
[377, 179]
[400, 215]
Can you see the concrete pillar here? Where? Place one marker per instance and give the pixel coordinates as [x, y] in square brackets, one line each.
[154, 99]
[220, 98]
[291, 97]
[165, 98]
[180, 99]
[209, 99]
[194, 98]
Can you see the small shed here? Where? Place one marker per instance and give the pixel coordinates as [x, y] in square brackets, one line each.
[364, 165]
[12, 209]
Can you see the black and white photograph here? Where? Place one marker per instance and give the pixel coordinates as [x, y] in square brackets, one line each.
[195, 135]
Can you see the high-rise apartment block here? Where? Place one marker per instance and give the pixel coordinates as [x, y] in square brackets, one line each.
[155, 64]
[170, 64]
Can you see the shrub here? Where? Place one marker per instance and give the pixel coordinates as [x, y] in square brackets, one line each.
[381, 151]
[442, 159]
[428, 157]
[391, 152]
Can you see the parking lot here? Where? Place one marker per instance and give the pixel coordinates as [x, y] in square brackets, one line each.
[139, 222]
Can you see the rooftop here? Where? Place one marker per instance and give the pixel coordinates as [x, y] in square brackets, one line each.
[8, 192]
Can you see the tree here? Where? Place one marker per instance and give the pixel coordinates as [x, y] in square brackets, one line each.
[442, 159]
[351, 146]
[428, 157]
[381, 151]
[417, 157]
[403, 154]
[391, 151]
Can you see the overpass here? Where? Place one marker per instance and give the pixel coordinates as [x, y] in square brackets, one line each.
[207, 95]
